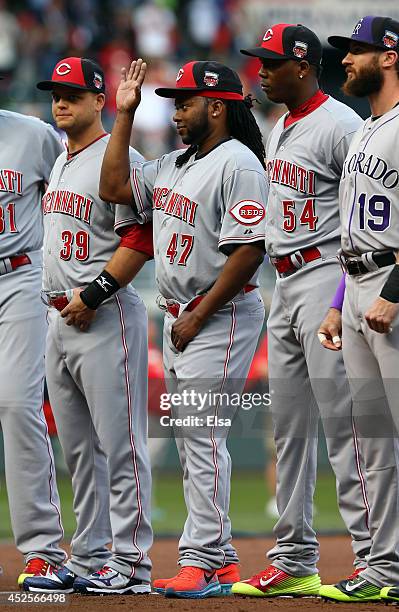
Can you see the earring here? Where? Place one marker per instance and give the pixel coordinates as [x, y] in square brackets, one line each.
[213, 114]
[301, 76]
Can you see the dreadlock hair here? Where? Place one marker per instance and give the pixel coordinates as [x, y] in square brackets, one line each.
[184, 157]
[241, 124]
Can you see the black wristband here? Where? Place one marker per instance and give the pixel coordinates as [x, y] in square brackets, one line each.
[100, 289]
[390, 290]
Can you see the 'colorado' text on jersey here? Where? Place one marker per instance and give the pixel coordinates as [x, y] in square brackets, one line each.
[369, 187]
[302, 209]
[199, 212]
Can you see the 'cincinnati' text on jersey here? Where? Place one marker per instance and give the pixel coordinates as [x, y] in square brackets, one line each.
[11, 181]
[289, 174]
[68, 203]
[174, 204]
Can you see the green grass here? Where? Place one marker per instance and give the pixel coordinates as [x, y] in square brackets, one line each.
[248, 498]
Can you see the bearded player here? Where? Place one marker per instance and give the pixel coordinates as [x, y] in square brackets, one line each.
[208, 208]
[370, 331]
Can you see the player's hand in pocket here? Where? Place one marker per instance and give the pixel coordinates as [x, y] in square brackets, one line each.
[330, 330]
[77, 313]
[381, 315]
[184, 329]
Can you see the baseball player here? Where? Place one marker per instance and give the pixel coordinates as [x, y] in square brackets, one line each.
[370, 332]
[29, 463]
[96, 352]
[305, 154]
[208, 210]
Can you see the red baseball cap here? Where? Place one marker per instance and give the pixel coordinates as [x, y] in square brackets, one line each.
[76, 72]
[208, 79]
[288, 41]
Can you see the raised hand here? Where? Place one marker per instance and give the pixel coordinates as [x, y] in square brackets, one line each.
[128, 95]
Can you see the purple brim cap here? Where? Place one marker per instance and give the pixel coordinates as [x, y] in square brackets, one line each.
[380, 32]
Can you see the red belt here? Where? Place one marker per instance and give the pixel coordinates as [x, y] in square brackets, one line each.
[59, 302]
[173, 309]
[285, 266]
[9, 264]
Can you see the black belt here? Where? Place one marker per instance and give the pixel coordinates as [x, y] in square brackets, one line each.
[369, 262]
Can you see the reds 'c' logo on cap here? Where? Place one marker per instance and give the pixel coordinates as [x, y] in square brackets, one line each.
[268, 35]
[63, 69]
[180, 74]
[248, 212]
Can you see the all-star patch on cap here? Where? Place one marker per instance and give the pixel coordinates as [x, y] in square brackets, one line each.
[76, 72]
[285, 41]
[381, 32]
[207, 79]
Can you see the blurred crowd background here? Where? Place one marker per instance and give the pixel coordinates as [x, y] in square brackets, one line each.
[35, 34]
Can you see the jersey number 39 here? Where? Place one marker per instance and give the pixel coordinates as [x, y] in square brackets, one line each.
[77, 244]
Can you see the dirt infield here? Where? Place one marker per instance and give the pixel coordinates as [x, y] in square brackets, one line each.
[335, 563]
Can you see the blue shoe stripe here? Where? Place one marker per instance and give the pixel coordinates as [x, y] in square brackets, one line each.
[210, 589]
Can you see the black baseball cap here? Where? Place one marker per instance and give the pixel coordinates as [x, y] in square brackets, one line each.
[209, 79]
[288, 41]
[76, 72]
[380, 32]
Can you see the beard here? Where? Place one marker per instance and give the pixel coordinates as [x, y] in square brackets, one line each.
[198, 129]
[368, 80]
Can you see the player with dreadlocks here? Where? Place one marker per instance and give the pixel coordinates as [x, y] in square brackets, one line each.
[241, 124]
[208, 208]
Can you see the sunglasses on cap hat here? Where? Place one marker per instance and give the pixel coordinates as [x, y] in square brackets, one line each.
[207, 79]
[285, 41]
[78, 73]
[380, 32]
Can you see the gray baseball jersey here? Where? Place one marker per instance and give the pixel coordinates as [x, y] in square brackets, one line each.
[200, 212]
[369, 187]
[21, 180]
[304, 163]
[79, 227]
[302, 209]
[98, 376]
[29, 149]
[370, 218]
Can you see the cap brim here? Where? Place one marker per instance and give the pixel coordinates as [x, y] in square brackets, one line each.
[340, 42]
[173, 92]
[49, 85]
[264, 54]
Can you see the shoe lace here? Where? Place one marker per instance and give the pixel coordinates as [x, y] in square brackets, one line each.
[36, 566]
[355, 573]
[104, 570]
[268, 572]
[188, 572]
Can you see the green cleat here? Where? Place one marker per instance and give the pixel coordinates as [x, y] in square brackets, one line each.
[350, 590]
[390, 594]
[273, 582]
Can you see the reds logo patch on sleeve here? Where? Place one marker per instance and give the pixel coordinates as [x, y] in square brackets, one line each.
[248, 212]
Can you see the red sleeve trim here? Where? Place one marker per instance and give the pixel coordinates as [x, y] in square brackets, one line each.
[138, 238]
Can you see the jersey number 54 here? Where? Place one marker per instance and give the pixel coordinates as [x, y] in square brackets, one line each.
[306, 217]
